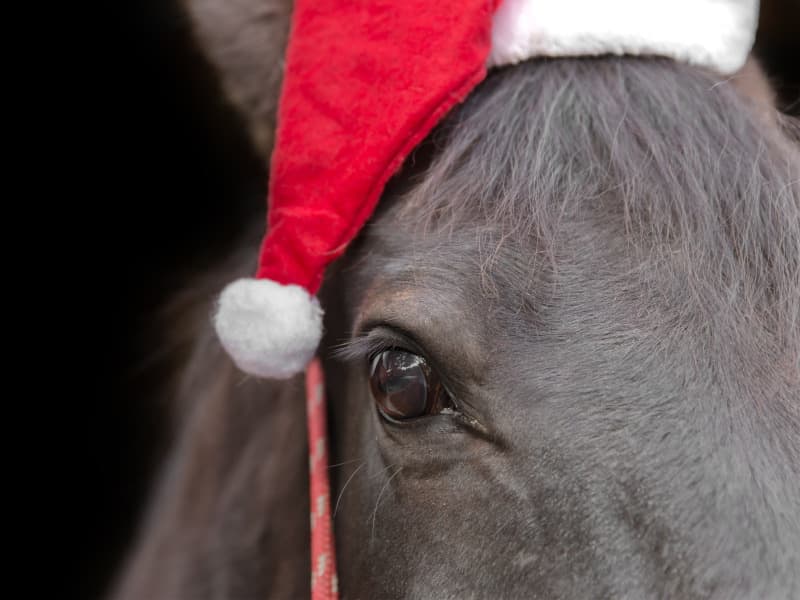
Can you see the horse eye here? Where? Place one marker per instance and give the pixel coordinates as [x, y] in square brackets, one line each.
[404, 386]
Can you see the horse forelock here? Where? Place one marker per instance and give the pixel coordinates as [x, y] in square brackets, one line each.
[688, 179]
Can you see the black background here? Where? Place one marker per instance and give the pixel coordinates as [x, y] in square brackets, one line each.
[161, 178]
[164, 181]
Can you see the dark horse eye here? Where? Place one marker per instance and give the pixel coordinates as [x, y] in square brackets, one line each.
[404, 387]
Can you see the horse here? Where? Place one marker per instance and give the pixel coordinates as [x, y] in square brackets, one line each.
[588, 278]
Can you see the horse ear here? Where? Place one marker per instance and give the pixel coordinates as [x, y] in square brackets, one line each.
[245, 41]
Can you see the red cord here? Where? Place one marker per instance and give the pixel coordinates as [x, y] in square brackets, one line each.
[323, 551]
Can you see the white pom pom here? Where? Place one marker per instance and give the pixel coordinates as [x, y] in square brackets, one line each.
[269, 329]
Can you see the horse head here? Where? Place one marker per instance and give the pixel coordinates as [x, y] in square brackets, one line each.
[563, 359]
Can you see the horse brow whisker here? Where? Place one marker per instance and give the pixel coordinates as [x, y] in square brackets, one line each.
[344, 487]
[346, 462]
[378, 501]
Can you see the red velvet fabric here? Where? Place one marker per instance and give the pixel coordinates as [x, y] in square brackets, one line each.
[365, 82]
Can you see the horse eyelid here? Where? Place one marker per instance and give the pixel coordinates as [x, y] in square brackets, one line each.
[365, 348]
[376, 336]
[373, 340]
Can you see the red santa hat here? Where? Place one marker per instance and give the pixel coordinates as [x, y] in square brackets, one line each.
[366, 81]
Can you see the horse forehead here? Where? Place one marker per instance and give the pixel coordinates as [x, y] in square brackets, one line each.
[453, 281]
[444, 317]
[476, 270]
[468, 253]
[458, 276]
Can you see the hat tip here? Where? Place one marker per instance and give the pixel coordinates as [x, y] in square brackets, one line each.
[269, 329]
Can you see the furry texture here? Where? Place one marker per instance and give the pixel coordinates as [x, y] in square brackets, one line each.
[269, 329]
[364, 85]
[717, 34]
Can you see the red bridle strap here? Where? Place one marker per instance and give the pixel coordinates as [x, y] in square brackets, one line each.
[323, 550]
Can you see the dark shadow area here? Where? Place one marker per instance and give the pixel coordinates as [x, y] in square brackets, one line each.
[170, 178]
[778, 49]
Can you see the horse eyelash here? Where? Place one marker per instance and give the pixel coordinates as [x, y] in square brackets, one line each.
[366, 346]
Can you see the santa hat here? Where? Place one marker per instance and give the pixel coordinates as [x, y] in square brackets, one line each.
[366, 81]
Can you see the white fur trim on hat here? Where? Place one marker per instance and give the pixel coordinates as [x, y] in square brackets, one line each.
[269, 329]
[717, 34]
